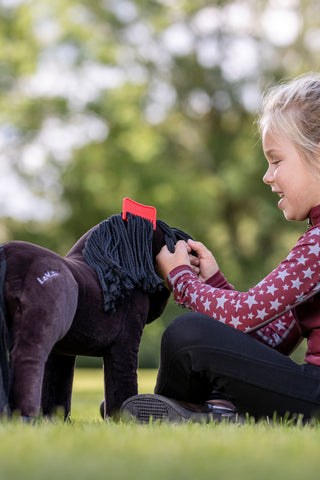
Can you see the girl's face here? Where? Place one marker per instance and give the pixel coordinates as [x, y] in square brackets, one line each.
[289, 177]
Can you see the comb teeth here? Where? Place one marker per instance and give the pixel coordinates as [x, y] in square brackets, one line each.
[135, 208]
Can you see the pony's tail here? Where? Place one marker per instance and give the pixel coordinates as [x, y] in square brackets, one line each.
[5, 369]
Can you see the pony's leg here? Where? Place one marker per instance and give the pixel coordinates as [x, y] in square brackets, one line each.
[57, 384]
[27, 374]
[120, 380]
[42, 316]
[120, 375]
[120, 361]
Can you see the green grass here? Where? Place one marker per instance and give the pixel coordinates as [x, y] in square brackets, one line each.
[88, 448]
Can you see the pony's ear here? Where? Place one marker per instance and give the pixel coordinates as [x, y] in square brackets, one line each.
[166, 235]
[158, 241]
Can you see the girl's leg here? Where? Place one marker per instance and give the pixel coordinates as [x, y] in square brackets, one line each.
[200, 354]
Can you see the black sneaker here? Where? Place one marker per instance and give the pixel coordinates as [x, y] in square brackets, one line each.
[152, 407]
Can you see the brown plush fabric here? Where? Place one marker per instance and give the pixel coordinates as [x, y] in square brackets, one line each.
[54, 312]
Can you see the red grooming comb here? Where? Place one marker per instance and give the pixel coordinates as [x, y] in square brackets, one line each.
[135, 208]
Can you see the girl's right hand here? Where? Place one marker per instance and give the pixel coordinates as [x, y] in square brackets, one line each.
[204, 265]
[167, 261]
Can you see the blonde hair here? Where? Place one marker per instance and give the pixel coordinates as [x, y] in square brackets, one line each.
[293, 111]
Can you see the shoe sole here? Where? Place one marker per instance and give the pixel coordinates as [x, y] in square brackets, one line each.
[156, 408]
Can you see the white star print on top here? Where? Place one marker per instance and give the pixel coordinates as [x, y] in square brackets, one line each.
[266, 309]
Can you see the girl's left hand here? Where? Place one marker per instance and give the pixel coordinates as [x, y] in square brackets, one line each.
[167, 261]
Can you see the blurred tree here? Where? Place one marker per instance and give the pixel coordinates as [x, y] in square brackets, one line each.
[154, 100]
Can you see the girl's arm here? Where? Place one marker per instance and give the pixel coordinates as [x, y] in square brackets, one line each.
[283, 334]
[291, 283]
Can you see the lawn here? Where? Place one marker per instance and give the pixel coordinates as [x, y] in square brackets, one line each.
[88, 448]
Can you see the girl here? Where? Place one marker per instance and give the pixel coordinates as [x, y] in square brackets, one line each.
[234, 346]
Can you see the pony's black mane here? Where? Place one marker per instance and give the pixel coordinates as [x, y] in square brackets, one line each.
[121, 254]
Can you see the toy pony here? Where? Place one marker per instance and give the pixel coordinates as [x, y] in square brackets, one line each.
[94, 302]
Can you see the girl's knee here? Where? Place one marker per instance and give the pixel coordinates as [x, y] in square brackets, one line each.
[195, 329]
[186, 330]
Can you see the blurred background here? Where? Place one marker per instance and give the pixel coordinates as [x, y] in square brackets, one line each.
[151, 99]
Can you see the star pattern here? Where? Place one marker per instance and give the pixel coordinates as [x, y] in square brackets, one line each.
[266, 310]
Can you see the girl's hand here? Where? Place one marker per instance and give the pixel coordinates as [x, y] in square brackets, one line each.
[167, 261]
[204, 265]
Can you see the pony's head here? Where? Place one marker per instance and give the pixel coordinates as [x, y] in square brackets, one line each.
[123, 252]
[162, 235]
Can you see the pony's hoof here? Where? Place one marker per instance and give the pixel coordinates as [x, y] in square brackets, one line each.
[102, 409]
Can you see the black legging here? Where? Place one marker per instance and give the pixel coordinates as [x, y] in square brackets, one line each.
[200, 355]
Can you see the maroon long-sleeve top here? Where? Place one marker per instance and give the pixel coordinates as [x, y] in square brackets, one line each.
[280, 310]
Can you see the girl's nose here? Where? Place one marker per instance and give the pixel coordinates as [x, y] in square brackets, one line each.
[268, 177]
